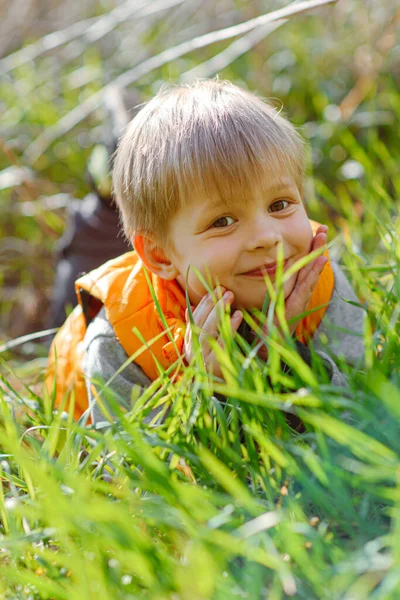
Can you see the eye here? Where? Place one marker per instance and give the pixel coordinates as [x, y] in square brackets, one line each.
[278, 205]
[223, 222]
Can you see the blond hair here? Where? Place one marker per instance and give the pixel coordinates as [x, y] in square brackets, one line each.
[211, 137]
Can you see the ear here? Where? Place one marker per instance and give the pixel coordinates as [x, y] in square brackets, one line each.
[154, 257]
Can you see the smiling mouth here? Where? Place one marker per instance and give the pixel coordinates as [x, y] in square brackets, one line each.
[263, 270]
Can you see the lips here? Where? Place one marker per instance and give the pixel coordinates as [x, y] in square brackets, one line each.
[268, 269]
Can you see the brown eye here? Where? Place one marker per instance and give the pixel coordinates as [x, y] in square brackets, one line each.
[223, 222]
[278, 205]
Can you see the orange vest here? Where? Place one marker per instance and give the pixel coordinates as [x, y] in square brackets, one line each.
[121, 286]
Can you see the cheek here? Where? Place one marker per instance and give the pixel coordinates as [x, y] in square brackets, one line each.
[213, 267]
[302, 236]
[308, 239]
[302, 241]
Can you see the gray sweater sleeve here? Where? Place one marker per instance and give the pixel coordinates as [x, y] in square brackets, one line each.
[340, 333]
[104, 355]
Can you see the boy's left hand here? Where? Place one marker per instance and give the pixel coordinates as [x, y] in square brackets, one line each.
[297, 301]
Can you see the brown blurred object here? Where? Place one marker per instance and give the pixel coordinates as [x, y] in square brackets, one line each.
[93, 233]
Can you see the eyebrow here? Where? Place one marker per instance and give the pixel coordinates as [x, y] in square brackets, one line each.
[284, 184]
[218, 203]
[279, 185]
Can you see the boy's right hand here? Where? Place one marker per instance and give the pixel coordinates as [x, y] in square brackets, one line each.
[206, 317]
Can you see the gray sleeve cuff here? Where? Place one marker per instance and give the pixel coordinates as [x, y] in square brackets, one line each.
[341, 330]
[336, 377]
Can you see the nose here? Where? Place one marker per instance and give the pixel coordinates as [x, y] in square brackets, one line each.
[264, 233]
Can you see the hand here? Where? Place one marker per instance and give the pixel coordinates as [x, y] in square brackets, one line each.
[307, 278]
[206, 318]
[297, 301]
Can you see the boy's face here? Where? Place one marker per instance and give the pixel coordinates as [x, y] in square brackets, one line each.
[236, 246]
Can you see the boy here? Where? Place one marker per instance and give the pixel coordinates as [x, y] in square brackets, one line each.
[207, 176]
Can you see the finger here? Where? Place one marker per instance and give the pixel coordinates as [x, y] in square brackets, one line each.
[236, 320]
[205, 307]
[211, 359]
[319, 242]
[210, 326]
[321, 229]
[218, 291]
[187, 313]
[212, 365]
[187, 346]
[303, 289]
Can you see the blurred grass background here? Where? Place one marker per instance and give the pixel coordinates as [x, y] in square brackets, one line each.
[222, 500]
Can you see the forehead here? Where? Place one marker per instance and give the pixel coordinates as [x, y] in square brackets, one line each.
[272, 183]
[228, 175]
